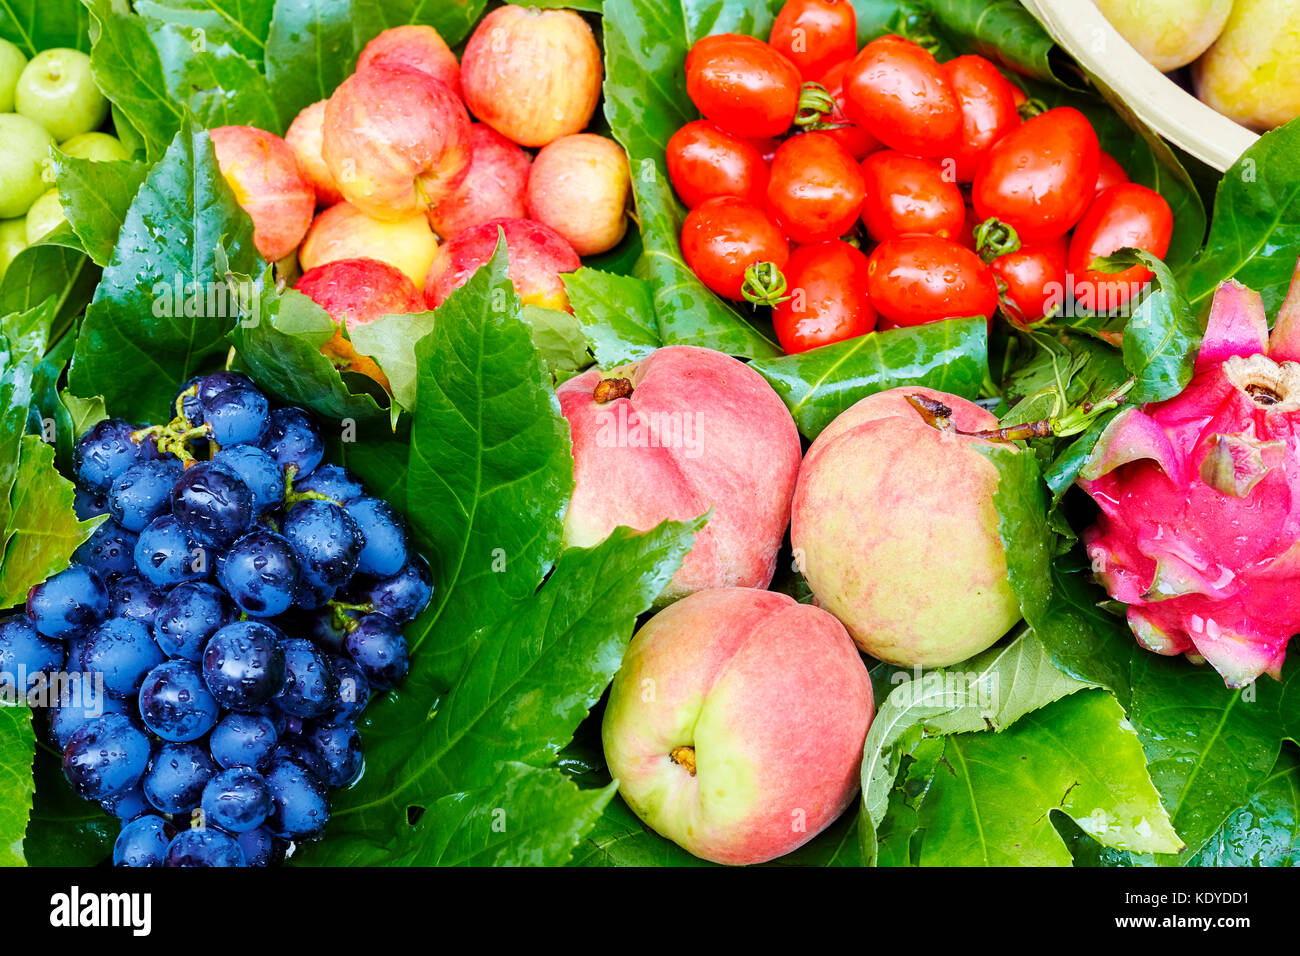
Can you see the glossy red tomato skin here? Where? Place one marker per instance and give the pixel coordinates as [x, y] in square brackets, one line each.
[815, 34]
[988, 110]
[908, 194]
[1122, 216]
[1109, 172]
[915, 280]
[899, 93]
[827, 284]
[723, 237]
[1035, 279]
[1040, 177]
[743, 85]
[705, 161]
[857, 142]
[815, 191]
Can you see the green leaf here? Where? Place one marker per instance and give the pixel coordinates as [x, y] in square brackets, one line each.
[241, 24]
[310, 50]
[1022, 525]
[216, 83]
[820, 384]
[128, 70]
[1162, 335]
[1085, 641]
[64, 829]
[390, 340]
[616, 313]
[17, 749]
[95, 197]
[36, 25]
[45, 271]
[453, 19]
[149, 328]
[619, 838]
[1002, 30]
[1266, 831]
[23, 338]
[646, 102]
[1255, 231]
[560, 339]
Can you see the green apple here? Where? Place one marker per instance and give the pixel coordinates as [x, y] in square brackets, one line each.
[57, 90]
[13, 240]
[96, 147]
[46, 213]
[12, 62]
[1168, 33]
[23, 157]
[1249, 73]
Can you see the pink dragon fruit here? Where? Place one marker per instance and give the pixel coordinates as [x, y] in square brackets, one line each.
[1200, 498]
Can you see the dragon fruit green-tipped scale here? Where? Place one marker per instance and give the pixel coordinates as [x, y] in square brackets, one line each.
[1200, 498]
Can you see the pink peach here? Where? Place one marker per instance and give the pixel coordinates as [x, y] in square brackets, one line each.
[421, 47]
[579, 186]
[268, 184]
[538, 256]
[494, 188]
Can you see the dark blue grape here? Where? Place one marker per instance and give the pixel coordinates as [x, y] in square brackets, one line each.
[354, 692]
[106, 756]
[67, 719]
[333, 481]
[377, 646]
[87, 505]
[310, 687]
[384, 536]
[326, 540]
[299, 804]
[243, 664]
[260, 573]
[187, 619]
[297, 747]
[237, 800]
[105, 451]
[293, 439]
[165, 555]
[128, 804]
[340, 748]
[123, 651]
[143, 842]
[68, 604]
[210, 386]
[24, 653]
[212, 504]
[135, 598]
[109, 551]
[261, 847]
[326, 631]
[259, 471]
[243, 740]
[175, 703]
[206, 847]
[177, 775]
[142, 492]
[237, 416]
[309, 596]
[402, 596]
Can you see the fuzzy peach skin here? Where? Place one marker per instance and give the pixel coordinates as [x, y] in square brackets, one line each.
[344, 232]
[698, 430]
[421, 47]
[268, 184]
[766, 699]
[894, 525]
[495, 187]
[538, 256]
[532, 75]
[355, 292]
[579, 186]
[304, 138]
[396, 140]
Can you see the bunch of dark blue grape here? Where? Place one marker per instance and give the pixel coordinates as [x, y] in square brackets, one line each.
[240, 605]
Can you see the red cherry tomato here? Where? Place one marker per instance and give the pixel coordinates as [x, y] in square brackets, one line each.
[815, 34]
[909, 194]
[1123, 216]
[705, 161]
[723, 237]
[913, 280]
[743, 85]
[815, 191]
[857, 142]
[988, 110]
[1039, 178]
[1109, 172]
[827, 285]
[899, 93]
[1034, 277]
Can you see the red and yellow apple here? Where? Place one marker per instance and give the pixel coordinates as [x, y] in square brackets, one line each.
[421, 47]
[682, 431]
[268, 184]
[895, 529]
[736, 723]
[396, 140]
[579, 186]
[538, 257]
[495, 187]
[304, 138]
[532, 75]
[344, 232]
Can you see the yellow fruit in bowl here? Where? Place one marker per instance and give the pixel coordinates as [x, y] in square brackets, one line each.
[1249, 74]
[1168, 33]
